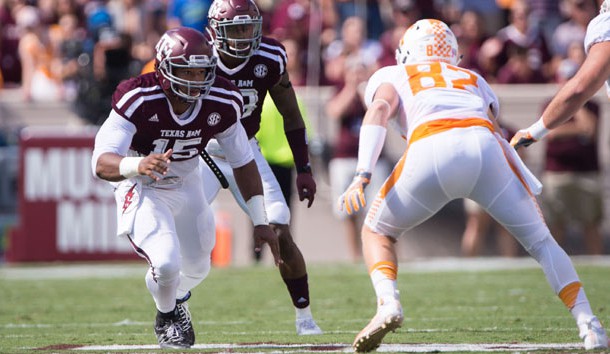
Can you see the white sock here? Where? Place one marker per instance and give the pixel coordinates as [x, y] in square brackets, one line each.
[303, 313]
[581, 311]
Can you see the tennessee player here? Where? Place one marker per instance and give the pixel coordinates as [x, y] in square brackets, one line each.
[455, 150]
[148, 148]
[257, 66]
[586, 82]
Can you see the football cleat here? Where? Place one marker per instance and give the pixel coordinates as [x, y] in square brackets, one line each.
[593, 334]
[388, 318]
[185, 319]
[169, 332]
[307, 327]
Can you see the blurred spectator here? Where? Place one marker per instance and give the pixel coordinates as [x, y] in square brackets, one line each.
[471, 34]
[106, 61]
[573, 190]
[368, 10]
[546, 15]
[10, 63]
[518, 69]
[520, 39]
[579, 13]
[188, 13]
[69, 40]
[353, 43]
[143, 21]
[296, 68]
[451, 11]
[300, 20]
[347, 109]
[36, 53]
[404, 14]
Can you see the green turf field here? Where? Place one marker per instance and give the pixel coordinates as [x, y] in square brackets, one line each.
[56, 309]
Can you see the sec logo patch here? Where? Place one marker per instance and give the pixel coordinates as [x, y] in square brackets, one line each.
[213, 119]
[261, 71]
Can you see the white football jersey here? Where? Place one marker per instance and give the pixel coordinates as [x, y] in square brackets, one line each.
[598, 30]
[435, 90]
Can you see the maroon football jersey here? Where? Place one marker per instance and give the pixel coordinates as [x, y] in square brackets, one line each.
[254, 78]
[142, 101]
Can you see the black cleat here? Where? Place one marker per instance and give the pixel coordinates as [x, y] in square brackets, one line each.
[185, 319]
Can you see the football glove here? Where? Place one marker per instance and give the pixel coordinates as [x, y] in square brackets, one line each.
[352, 200]
[522, 138]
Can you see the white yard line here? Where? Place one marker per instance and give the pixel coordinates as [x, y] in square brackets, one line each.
[333, 347]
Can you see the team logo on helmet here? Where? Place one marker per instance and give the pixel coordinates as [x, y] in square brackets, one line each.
[213, 119]
[428, 40]
[261, 71]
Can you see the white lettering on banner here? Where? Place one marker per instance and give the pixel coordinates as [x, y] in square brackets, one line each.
[78, 172]
[41, 174]
[88, 227]
[57, 173]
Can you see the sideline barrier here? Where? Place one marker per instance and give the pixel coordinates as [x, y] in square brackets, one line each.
[65, 214]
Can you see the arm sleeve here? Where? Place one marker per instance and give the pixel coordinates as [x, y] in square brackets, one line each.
[114, 136]
[234, 143]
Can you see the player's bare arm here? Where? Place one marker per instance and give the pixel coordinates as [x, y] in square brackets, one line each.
[113, 167]
[384, 106]
[284, 97]
[248, 180]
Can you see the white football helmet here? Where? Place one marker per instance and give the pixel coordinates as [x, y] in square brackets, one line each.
[428, 40]
[605, 7]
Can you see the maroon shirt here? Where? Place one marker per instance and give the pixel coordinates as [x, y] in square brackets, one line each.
[575, 153]
[254, 78]
[142, 101]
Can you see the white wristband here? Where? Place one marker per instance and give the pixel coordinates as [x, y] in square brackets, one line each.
[256, 207]
[538, 130]
[372, 137]
[128, 167]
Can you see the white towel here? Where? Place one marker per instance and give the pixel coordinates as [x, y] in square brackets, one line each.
[127, 196]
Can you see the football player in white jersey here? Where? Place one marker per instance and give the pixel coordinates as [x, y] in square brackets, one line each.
[148, 148]
[455, 150]
[588, 80]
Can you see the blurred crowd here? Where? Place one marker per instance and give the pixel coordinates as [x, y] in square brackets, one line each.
[64, 49]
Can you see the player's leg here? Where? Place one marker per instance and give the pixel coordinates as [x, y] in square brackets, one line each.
[503, 195]
[154, 238]
[294, 270]
[410, 195]
[196, 231]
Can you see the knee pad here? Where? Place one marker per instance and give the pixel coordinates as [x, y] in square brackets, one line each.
[166, 274]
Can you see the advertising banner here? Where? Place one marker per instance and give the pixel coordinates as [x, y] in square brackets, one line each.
[64, 212]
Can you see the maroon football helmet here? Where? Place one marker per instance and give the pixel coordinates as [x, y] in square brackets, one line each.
[236, 27]
[184, 47]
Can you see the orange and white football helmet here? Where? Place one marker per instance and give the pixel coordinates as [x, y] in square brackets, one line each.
[428, 40]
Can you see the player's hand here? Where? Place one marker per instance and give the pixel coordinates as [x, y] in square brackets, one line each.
[155, 166]
[353, 198]
[264, 234]
[522, 138]
[306, 187]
